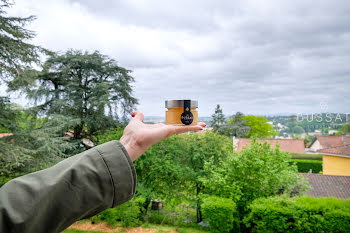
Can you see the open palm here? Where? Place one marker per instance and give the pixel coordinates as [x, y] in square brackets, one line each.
[138, 137]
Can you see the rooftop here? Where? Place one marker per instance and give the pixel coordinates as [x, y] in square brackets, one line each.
[332, 141]
[328, 186]
[337, 150]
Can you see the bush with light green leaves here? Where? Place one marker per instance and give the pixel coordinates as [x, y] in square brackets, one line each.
[303, 214]
[220, 213]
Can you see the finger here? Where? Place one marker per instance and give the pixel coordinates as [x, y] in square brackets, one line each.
[137, 115]
[184, 129]
[202, 124]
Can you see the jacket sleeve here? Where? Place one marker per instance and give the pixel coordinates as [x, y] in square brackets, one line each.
[78, 187]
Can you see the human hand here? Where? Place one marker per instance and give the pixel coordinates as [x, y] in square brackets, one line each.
[138, 137]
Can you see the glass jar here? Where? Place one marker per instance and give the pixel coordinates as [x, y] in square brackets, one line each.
[181, 112]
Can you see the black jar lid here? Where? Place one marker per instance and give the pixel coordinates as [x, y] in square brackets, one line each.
[180, 103]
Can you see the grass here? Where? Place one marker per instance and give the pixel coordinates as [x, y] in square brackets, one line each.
[306, 156]
[166, 228]
[79, 231]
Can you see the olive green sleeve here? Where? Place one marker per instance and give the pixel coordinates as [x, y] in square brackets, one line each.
[78, 187]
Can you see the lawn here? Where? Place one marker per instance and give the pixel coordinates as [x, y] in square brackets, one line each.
[79, 231]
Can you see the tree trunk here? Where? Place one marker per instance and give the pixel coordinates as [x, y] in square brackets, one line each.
[77, 131]
[199, 211]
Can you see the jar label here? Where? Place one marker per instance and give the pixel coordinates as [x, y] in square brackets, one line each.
[187, 116]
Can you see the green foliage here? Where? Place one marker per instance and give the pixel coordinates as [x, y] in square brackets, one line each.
[257, 171]
[7, 116]
[35, 143]
[173, 168]
[83, 86]
[220, 213]
[259, 127]
[109, 135]
[305, 165]
[236, 126]
[16, 53]
[298, 130]
[4, 180]
[345, 129]
[128, 214]
[304, 214]
[33, 148]
[155, 218]
[163, 217]
[218, 119]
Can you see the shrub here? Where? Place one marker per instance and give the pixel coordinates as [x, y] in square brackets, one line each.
[305, 165]
[220, 213]
[109, 216]
[307, 156]
[257, 171]
[4, 180]
[155, 218]
[304, 214]
[109, 135]
[129, 213]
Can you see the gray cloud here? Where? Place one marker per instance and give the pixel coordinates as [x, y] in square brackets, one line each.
[249, 56]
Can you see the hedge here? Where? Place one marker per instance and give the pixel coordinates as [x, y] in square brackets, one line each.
[307, 156]
[304, 166]
[304, 214]
[221, 213]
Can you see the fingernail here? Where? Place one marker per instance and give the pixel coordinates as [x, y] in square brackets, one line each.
[133, 115]
[205, 125]
[201, 129]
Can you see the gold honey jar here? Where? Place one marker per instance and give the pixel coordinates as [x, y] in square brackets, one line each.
[181, 112]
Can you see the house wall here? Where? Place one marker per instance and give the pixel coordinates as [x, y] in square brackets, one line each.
[316, 146]
[334, 165]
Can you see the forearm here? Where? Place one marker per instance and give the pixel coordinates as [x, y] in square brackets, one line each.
[78, 187]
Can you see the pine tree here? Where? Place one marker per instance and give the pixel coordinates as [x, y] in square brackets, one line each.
[89, 87]
[218, 119]
[31, 146]
[236, 126]
[16, 53]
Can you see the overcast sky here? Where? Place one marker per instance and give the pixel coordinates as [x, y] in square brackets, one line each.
[257, 57]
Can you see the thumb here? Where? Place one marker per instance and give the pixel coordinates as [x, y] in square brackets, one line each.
[137, 115]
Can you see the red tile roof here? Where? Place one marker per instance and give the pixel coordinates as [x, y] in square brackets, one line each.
[332, 141]
[337, 150]
[328, 186]
[290, 145]
[5, 134]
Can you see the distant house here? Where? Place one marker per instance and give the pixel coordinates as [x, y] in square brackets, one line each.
[336, 160]
[290, 145]
[327, 185]
[315, 133]
[323, 142]
[330, 132]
